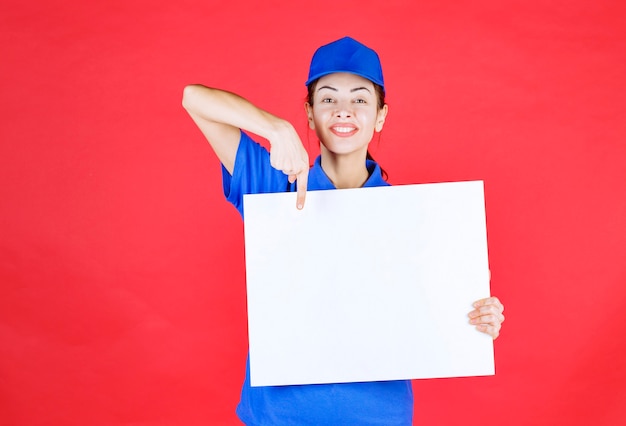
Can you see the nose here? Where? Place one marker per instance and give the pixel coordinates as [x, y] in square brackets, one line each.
[343, 110]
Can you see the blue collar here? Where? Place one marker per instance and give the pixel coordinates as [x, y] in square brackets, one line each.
[318, 180]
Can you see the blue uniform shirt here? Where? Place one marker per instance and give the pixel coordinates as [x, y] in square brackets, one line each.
[367, 403]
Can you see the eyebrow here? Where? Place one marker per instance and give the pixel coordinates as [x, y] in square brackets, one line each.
[351, 90]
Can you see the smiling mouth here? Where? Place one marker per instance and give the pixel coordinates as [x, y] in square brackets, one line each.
[343, 130]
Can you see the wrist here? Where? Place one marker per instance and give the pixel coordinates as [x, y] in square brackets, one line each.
[279, 130]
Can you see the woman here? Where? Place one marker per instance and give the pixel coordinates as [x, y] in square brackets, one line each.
[345, 107]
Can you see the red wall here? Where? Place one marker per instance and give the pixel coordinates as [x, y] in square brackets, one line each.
[121, 266]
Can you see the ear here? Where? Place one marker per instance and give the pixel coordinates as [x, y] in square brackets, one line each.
[309, 114]
[380, 118]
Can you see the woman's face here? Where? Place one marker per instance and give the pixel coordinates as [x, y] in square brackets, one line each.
[344, 113]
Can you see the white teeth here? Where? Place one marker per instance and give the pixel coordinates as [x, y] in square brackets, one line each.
[343, 129]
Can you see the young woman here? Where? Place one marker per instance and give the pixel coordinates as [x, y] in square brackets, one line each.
[345, 107]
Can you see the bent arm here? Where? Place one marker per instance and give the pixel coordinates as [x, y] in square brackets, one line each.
[220, 114]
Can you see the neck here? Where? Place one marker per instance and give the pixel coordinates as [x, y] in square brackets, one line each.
[345, 171]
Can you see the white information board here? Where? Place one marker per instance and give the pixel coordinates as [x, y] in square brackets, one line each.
[366, 284]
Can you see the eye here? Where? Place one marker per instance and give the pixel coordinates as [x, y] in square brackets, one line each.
[327, 100]
[360, 101]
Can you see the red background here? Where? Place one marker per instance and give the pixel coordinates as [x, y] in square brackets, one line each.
[121, 266]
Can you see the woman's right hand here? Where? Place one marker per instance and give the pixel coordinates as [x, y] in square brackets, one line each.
[287, 154]
[220, 114]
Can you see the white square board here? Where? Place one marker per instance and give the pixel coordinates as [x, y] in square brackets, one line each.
[366, 284]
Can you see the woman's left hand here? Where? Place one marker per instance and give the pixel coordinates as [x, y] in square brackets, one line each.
[487, 316]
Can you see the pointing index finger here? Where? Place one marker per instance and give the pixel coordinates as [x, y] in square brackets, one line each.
[301, 182]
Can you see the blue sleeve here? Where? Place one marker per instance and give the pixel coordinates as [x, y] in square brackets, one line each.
[252, 174]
